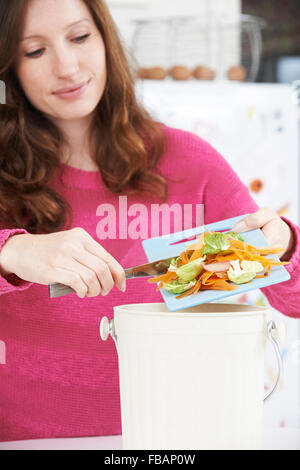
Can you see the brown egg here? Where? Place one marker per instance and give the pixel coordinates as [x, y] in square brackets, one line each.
[237, 72]
[256, 185]
[152, 73]
[157, 73]
[142, 73]
[204, 73]
[179, 72]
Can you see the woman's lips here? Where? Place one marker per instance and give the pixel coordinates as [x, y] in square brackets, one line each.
[74, 93]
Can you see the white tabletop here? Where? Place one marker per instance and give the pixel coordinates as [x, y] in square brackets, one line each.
[274, 439]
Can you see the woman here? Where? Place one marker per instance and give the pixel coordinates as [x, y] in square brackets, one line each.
[65, 156]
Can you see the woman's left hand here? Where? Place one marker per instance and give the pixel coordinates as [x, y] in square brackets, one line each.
[276, 231]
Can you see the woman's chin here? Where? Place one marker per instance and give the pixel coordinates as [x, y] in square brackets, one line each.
[74, 114]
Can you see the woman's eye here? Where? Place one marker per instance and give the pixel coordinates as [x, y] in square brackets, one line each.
[81, 38]
[34, 54]
[38, 52]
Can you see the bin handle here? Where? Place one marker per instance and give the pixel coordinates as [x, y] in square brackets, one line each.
[272, 329]
[108, 328]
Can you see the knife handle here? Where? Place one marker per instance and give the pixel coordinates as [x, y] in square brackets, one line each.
[58, 290]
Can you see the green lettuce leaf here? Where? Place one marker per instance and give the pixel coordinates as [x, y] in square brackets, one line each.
[189, 271]
[217, 242]
[179, 286]
[234, 235]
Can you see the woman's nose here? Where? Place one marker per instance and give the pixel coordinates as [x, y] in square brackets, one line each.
[65, 63]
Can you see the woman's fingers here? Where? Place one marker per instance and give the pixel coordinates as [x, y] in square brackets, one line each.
[271, 231]
[256, 220]
[80, 278]
[276, 230]
[99, 267]
[117, 272]
[71, 279]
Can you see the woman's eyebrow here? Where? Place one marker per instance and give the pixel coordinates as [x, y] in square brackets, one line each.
[67, 27]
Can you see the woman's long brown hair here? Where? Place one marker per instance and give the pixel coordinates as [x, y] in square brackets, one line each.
[128, 150]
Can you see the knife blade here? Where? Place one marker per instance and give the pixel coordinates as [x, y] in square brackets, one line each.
[154, 268]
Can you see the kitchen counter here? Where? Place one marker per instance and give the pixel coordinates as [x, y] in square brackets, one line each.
[274, 439]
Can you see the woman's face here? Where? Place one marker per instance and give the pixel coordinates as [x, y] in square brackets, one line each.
[61, 49]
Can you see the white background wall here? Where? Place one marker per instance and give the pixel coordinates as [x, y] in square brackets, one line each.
[125, 10]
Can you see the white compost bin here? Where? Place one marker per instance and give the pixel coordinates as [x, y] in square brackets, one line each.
[192, 379]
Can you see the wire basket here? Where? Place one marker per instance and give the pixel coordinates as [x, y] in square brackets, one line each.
[215, 44]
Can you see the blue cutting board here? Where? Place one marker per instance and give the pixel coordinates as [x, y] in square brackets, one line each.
[163, 247]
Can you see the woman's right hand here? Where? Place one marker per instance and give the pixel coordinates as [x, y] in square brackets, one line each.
[70, 257]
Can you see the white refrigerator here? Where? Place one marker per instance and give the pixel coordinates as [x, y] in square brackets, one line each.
[255, 127]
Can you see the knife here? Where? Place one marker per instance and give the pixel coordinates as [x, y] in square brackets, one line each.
[144, 270]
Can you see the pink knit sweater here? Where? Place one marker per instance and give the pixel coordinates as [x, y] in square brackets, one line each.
[59, 379]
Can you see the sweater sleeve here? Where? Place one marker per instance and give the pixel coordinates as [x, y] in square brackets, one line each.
[11, 282]
[225, 196]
